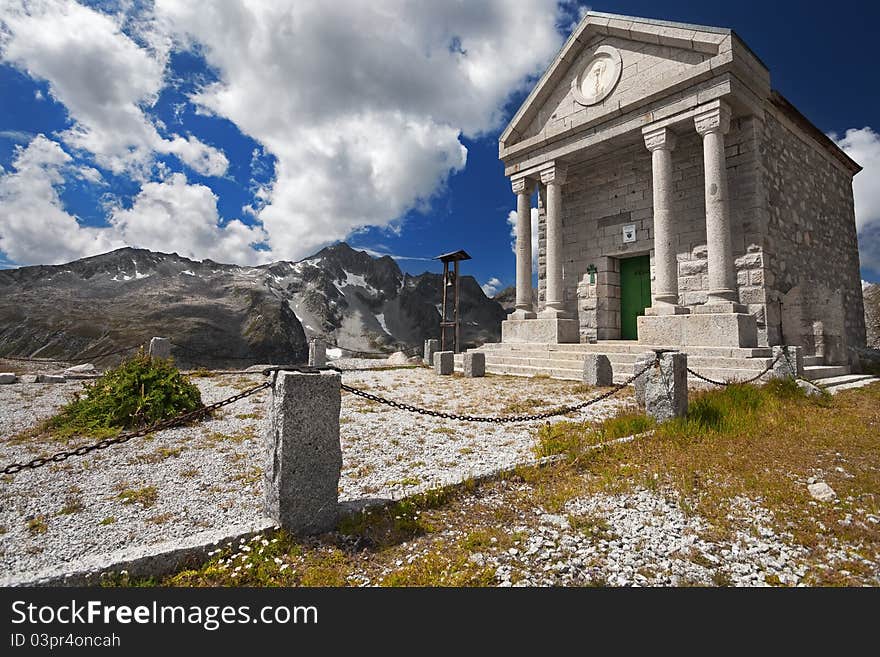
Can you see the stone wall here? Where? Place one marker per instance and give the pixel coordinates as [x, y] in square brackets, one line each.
[602, 195]
[811, 263]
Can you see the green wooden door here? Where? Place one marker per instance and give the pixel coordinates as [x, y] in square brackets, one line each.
[635, 293]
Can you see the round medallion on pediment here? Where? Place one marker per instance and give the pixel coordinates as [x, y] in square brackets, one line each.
[599, 77]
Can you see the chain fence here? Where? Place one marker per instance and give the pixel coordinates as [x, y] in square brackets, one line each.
[744, 381]
[176, 421]
[561, 410]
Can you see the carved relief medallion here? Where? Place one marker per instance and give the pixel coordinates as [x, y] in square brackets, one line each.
[599, 77]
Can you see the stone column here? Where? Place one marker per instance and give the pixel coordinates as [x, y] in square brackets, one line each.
[554, 306]
[523, 188]
[712, 125]
[661, 142]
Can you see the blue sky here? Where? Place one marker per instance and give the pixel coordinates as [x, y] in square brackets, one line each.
[265, 134]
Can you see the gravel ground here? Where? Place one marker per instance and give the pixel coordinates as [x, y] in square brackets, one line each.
[207, 476]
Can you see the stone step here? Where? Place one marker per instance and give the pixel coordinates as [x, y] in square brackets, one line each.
[813, 360]
[814, 372]
[622, 347]
[623, 362]
[834, 384]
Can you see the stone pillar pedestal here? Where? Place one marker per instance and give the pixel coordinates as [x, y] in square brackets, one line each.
[666, 393]
[444, 362]
[789, 362]
[709, 325]
[597, 370]
[432, 346]
[553, 330]
[303, 457]
[317, 353]
[160, 348]
[474, 364]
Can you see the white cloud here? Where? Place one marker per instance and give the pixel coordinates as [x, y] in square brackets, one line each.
[863, 146]
[491, 286]
[173, 215]
[362, 103]
[170, 215]
[34, 227]
[511, 219]
[104, 79]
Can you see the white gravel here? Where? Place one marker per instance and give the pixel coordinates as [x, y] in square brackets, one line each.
[208, 476]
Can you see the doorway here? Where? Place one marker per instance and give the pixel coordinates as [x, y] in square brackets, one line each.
[635, 293]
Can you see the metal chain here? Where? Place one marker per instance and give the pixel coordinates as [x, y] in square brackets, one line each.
[177, 420]
[562, 410]
[751, 380]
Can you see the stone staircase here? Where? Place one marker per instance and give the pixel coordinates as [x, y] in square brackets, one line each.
[566, 361]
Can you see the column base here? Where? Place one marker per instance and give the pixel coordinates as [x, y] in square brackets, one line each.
[521, 314]
[720, 329]
[667, 309]
[554, 330]
[716, 307]
[552, 313]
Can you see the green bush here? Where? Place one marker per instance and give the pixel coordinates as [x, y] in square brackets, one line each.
[140, 391]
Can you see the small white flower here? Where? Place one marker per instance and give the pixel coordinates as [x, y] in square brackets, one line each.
[283, 567]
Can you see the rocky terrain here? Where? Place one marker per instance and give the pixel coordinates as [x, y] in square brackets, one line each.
[220, 314]
[871, 295]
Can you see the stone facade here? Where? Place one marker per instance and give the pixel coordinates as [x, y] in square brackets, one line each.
[755, 209]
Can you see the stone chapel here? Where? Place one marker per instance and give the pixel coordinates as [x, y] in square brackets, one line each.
[681, 201]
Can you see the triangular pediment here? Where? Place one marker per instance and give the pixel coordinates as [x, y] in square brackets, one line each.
[609, 65]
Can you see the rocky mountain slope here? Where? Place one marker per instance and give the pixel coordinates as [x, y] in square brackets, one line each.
[222, 314]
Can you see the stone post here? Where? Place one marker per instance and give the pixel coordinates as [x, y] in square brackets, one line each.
[554, 306]
[523, 188]
[303, 457]
[444, 362]
[474, 364]
[639, 384]
[666, 393]
[712, 125]
[432, 346]
[160, 348]
[597, 370]
[789, 362]
[661, 142]
[317, 352]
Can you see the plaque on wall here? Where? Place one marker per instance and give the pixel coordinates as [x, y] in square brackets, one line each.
[599, 77]
[629, 233]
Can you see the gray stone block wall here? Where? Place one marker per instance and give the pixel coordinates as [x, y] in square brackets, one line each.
[602, 195]
[811, 263]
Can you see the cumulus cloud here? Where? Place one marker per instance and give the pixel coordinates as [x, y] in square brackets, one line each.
[362, 103]
[511, 219]
[863, 146]
[34, 227]
[171, 215]
[104, 79]
[491, 287]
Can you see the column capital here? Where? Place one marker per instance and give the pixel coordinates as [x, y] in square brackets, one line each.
[522, 185]
[554, 174]
[716, 119]
[659, 139]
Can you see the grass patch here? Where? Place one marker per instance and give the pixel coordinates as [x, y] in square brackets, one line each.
[109, 520]
[203, 373]
[147, 496]
[73, 504]
[138, 392]
[38, 524]
[524, 405]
